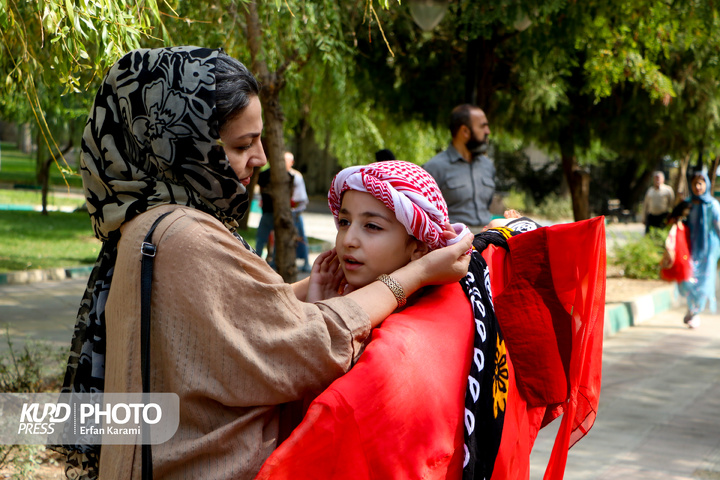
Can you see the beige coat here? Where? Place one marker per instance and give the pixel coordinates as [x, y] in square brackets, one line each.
[228, 336]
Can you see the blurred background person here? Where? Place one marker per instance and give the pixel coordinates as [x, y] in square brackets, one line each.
[263, 236]
[659, 201]
[298, 203]
[464, 172]
[384, 154]
[703, 223]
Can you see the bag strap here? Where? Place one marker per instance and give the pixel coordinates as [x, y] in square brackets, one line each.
[148, 250]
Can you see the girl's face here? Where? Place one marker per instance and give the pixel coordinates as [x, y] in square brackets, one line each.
[370, 239]
[241, 141]
[698, 186]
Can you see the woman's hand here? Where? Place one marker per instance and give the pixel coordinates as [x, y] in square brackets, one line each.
[326, 279]
[448, 264]
[444, 265]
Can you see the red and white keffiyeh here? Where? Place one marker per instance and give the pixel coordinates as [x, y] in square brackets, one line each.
[407, 190]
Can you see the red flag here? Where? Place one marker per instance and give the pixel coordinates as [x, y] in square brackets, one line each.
[550, 303]
[398, 413]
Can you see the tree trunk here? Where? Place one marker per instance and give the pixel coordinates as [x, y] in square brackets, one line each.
[24, 138]
[680, 185]
[577, 178]
[44, 179]
[472, 67]
[42, 167]
[285, 235]
[318, 164]
[43, 175]
[272, 84]
[712, 173]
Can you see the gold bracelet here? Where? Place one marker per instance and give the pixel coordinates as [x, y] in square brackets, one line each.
[395, 288]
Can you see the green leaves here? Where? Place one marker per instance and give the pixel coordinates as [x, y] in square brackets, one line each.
[70, 11]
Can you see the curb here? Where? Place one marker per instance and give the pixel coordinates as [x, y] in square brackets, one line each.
[51, 274]
[619, 316]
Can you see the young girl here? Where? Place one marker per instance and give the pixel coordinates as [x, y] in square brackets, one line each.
[434, 393]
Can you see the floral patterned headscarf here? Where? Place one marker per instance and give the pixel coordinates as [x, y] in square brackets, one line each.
[151, 139]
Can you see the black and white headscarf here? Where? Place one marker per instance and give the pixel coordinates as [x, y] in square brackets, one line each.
[151, 139]
[487, 389]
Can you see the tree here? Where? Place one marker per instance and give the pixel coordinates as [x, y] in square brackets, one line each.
[280, 40]
[638, 77]
[565, 64]
[560, 83]
[633, 79]
[272, 83]
[70, 45]
[51, 53]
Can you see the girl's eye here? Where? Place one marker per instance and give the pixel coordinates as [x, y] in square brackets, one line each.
[373, 226]
[242, 148]
[342, 222]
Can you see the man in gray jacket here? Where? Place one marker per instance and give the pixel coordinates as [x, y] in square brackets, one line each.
[465, 175]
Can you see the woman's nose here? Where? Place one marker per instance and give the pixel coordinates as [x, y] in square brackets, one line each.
[259, 157]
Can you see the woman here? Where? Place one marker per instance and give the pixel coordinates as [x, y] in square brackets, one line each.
[445, 400]
[703, 223]
[178, 130]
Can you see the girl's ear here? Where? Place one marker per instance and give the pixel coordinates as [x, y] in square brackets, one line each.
[420, 249]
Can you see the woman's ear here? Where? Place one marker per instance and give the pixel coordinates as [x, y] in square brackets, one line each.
[420, 249]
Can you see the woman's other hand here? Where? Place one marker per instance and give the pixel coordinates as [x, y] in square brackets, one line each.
[326, 278]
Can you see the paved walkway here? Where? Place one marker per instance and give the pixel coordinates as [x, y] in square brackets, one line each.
[40, 310]
[659, 413]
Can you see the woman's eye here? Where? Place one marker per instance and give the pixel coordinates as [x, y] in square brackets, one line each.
[373, 226]
[343, 222]
[242, 148]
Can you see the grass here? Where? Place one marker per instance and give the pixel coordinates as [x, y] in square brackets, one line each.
[30, 241]
[18, 168]
[34, 197]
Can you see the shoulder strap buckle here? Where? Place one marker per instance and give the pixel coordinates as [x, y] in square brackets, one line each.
[148, 249]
